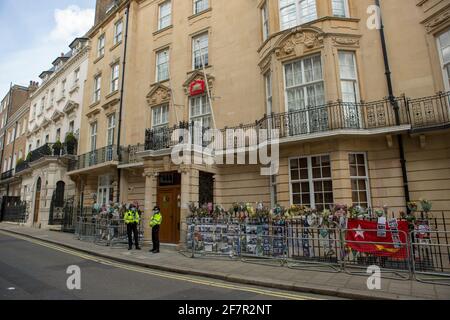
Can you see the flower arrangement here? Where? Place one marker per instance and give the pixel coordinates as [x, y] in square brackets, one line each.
[426, 205]
[412, 206]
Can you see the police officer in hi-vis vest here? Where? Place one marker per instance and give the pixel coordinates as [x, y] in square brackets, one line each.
[155, 223]
[132, 221]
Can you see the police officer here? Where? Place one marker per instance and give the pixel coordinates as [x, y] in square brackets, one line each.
[132, 221]
[155, 224]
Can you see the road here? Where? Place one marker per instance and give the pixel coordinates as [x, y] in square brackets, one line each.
[31, 269]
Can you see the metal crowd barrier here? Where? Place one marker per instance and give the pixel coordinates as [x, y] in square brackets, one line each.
[430, 253]
[103, 231]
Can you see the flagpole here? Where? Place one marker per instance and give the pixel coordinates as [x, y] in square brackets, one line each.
[207, 84]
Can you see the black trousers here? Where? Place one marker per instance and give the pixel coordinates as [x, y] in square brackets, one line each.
[132, 229]
[155, 238]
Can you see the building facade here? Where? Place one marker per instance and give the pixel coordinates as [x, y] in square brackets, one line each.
[13, 115]
[361, 112]
[53, 130]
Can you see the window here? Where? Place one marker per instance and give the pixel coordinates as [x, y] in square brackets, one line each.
[105, 190]
[71, 126]
[340, 8]
[304, 83]
[444, 45]
[97, 88]
[58, 135]
[349, 78]
[115, 77]
[265, 21]
[162, 65]
[200, 54]
[200, 111]
[200, 5]
[160, 116]
[63, 88]
[268, 82]
[94, 136]
[38, 143]
[111, 128]
[165, 15]
[101, 46]
[296, 12]
[52, 97]
[311, 183]
[47, 139]
[359, 179]
[76, 75]
[41, 109]
[118, 29]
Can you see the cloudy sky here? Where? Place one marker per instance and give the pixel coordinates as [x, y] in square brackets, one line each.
[34, 33]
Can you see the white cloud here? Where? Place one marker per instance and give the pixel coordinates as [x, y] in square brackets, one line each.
[24, 65]
[71, 22]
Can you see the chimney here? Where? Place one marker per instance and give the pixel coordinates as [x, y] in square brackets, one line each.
[33, 86]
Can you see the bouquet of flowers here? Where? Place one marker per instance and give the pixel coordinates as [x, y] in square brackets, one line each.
[412, 206]
[426, 205]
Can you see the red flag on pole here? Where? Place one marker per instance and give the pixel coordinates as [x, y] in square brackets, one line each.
[362, 236]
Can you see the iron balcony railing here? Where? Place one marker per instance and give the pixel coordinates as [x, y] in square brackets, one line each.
[22, 166]
[93, 158]
[334, 116]
[7, 175]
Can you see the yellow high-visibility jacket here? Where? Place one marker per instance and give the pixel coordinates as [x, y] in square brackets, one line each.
[156, 220]
[131, 217]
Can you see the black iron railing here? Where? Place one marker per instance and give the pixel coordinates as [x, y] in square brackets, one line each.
[7, 175]
[22, 166]
[50, 150]
[334, 116]
[93, 158]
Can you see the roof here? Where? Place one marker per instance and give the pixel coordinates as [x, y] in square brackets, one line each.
[76, 40]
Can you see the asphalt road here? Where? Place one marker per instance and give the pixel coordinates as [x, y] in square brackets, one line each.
[33, 270]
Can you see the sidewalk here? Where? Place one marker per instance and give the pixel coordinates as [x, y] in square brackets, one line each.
[331, 284]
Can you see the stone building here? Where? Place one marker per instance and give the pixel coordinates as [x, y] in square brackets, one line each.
[13, 115]
[53, 130]
[362, 112]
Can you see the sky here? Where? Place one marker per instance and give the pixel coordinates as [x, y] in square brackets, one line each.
[34, 33]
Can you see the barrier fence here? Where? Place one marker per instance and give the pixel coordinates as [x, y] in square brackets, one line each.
[103, 231]
[417, 252]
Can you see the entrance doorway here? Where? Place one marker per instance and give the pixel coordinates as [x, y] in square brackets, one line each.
[168, 199]
[37, 201]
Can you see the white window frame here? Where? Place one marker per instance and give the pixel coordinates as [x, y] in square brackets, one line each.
[115, 75]
[365, 178]
[344, 3]
[204, 5]
[199, 51]
[265, 20]
[110, 136]
[160, 65]
[118, 32]
[93, 136]
[162, 20]
[310, 179]
[300, 17]
[160, 121]
[304, 85]
[202, 116]
[445, 67]
[353, 80]
[97, 88]
[101, 46]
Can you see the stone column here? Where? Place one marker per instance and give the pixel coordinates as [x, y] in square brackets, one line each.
[188, 191]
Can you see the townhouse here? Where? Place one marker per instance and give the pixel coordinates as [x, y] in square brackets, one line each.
[361, 111]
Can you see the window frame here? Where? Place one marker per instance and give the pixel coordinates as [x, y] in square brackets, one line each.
[161, 123]
[111, 129]
[265, 20]
[101, 45]
[366, 178]
[115, 77]
[118, 35]
[299, 20]
[354, 80]
[310, 179]
[159, 65]
[202, 116]
[93, 136]
[97, 88]
[169, 15]
[203, 9]
[200, 49]
[268, 84]
[346, 9]
[445, 67]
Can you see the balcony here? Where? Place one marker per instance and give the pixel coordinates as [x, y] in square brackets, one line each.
[22, 166]
[7, 175]
[426, 113]
[94, 158]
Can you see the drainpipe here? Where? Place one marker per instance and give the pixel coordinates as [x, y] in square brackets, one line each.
[394, 104]
[12, 154]
[119, 130]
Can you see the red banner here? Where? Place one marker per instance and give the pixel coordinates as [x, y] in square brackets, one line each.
[197, 87]
[393, 244]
